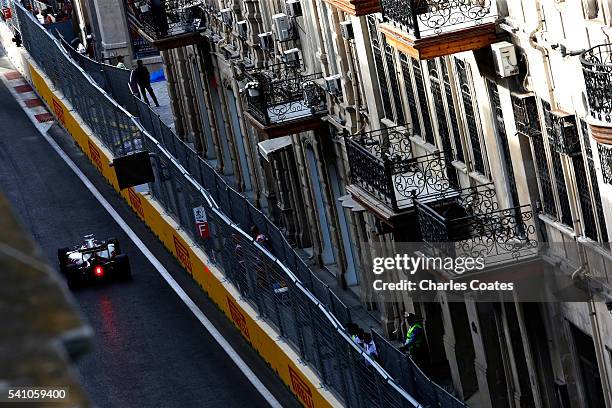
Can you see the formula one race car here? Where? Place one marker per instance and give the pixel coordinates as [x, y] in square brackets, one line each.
[93, 261]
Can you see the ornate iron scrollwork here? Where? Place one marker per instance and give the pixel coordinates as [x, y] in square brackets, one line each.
[597, 70]
[282, 93]
[381, 163]
[160, 19]
[469, 222]
[605, 158]
[370, 155]
[433, 17]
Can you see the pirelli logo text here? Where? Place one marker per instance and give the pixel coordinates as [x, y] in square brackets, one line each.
[59, 110]
[301, 388]
[95, 155]
[238, 318]
[136, 203]
[182, 253]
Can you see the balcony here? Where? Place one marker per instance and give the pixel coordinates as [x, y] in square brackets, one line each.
[356, 7]
[281, 100]
[167, 24]
[597, 70]
[469, 223]
[385, 178]
[426, 29]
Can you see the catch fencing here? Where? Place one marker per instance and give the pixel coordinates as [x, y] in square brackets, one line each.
[270, 276]
[411, 378]
[112, 79]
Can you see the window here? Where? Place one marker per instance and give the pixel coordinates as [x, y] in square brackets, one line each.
[417, 98]
[528, 123]
[502, 137]
[380, 70]
[465, 83]
[413, 111]
[584, 196]
[443, 128]
[389, 84]
[452, 112]
[395, 89]
[436, 90]
[586, 357]
[560, 182]
[422, 98]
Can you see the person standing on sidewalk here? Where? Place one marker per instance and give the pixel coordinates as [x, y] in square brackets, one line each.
[415, 337]
[120, 62]
[144, 82]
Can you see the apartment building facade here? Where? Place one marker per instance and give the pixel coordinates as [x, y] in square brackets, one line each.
[472, 121]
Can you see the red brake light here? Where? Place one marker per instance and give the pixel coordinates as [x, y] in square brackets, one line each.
[98, 270]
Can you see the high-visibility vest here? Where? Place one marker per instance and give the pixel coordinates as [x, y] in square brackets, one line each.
[411, 332]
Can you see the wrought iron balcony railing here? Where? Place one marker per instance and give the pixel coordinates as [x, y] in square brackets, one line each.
[381, 163]
[283, 93]
[425, 18]
[164, 19]
[468, 222]
[597, 70]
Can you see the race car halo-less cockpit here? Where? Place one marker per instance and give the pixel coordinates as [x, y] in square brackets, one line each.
[93, 261]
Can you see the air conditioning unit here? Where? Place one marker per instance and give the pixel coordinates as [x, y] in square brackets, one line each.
[333, 84]
[294, 8]
[266, 41]
[346, 28]
[282, 23]
[292, 56]
[504, 59]
[226, 16]
[242, 28]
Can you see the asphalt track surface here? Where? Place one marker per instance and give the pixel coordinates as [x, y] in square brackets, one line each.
[148, 350]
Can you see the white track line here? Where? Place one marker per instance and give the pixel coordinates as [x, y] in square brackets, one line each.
[212, 330]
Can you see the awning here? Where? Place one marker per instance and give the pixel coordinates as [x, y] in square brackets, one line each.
[270, 146]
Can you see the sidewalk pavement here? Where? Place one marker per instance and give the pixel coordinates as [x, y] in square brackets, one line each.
[165, 108]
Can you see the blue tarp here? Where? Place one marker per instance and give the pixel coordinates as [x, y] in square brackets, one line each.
[158, 76]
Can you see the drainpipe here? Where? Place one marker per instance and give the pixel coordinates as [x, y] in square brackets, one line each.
[545, 55]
